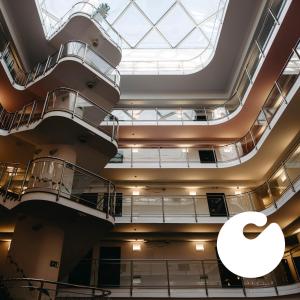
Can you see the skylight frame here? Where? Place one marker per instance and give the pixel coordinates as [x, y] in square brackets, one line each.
[193, 61]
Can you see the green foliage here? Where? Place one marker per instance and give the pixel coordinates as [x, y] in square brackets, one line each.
[103, 10]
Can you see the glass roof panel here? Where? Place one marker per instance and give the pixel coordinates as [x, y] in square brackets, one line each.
[154, 12]
[200, 10]
[126, 25]
[173, 29]
[153, 40]
[157, 36]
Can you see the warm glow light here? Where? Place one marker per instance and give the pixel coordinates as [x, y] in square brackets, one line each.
[135, 193]
[135, 150]
[283, 177]
[185, 150]
[136, 247]
[237, 191]
[193, 193]
[199, 247]
[228, 149]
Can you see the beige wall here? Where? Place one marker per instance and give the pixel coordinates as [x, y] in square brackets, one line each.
[4, 247]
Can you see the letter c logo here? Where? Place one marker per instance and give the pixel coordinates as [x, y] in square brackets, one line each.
[250, 258]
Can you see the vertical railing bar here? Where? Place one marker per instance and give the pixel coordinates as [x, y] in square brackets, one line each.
[195, 209]
[205, 280]
[270, 194]
[288, 177]
[168, 278]
[60, 181]
[163, 208]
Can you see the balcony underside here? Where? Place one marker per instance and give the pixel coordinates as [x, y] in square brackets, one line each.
[80, 27]
[88, 142]
[69, 72]
[27, 20]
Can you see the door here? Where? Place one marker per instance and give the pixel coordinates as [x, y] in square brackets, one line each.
[228, 279]
[297, 264]
[81, 274]
[109, 267]
[217, 204]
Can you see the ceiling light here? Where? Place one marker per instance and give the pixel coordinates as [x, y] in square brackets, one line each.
[199, 247]
[136, 247]
[237, 191]
[193, 193]
[135, 193]
[135, 150]
[185, 150]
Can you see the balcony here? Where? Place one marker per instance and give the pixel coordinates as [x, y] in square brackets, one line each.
[81, 15]
[62, 108]
[221, 156]
[216, 114]
[72, 58]
[188, 278]
[268, 197]
[54, 181]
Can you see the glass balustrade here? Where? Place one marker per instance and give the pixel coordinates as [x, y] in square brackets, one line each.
[183, 208]
[74, 183]
[62, 100]
[183, 116]
[75, 49]
[53, 26]
[213, 154]
[177, 274]
[64, 179]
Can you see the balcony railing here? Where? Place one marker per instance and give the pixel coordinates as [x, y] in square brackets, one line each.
[32, 288]
[175, 208]
[60, 178]
[220, 155]
[209, 113]
[52, 25]
[201, 276]
[73, 49]
[62, 100]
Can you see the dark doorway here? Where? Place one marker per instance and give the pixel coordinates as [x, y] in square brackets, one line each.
[207, 156]
[217, 204]
[81, 274]
[109, 267]
[297, 264]
[283, 273]
[228, 279]
[118, 206]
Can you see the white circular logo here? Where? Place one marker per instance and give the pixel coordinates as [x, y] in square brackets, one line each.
[250, 258]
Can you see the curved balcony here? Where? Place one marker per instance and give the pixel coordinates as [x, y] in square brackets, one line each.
[50, 180]
[197, 278]
[63, 108]
[268, 198]
[210, 120]
[107, 40]
[73, 58]
[208, 155]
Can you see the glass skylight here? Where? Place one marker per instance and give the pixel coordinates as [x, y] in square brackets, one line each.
[158, 36]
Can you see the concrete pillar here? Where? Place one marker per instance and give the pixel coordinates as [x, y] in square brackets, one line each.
[35, 252]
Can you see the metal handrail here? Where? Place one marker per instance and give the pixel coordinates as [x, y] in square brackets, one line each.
[113, 121]
[240, 141]
[72, 12]
[246, 196]
[165, 272]
[235, 94]
[108, 206]
[42, 288]
[27, 78]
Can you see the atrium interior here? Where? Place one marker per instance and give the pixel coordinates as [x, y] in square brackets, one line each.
[132, 131]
